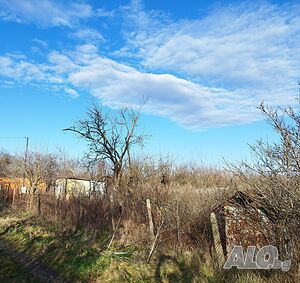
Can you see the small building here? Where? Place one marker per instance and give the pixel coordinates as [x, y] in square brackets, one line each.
[78, 187]
[12, 187]
[244, 222]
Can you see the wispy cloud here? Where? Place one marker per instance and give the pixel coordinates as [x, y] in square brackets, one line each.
[23, 70]
[100, 12]
[246, 45]
[71, 92]
[88, 35]
[250, 50]
[209, 72]
[45, 12]
[40, 42]
[189, 104]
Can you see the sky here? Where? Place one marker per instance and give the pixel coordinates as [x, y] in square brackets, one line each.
[204, 67]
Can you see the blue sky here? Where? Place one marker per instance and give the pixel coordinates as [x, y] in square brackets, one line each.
[203, 65]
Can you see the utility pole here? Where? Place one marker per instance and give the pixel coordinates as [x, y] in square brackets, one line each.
[25, 160]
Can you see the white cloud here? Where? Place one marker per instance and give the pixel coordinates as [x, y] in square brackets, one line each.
[104, 13]
[88, 35]
[71, 92]
[45, 12]
[202, 73]
[16, 55]
[61, 63]
[249, 46]
[40, 42]
[52, 74]
[189, 104]
[25, 72]
[252, 45]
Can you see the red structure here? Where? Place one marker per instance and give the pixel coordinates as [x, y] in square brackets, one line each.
[243, 222]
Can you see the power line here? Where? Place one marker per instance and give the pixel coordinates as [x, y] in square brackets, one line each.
[13, 137]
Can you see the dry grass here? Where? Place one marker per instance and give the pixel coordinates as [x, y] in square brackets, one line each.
[183, 204]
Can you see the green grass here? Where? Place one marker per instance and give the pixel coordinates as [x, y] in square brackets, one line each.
[81, 256]
[12, 271]
[76, 255]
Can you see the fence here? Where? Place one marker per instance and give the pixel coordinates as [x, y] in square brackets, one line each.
[174, 222]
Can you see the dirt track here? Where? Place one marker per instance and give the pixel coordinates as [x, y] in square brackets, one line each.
[36, 271]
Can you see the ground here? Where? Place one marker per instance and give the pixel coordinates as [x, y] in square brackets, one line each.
[34, 250]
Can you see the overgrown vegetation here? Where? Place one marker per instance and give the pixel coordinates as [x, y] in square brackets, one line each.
[83, 256]
[109, 237]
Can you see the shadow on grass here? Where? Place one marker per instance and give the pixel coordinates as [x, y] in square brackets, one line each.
[71, 253]
[175, 271]
[12, 271]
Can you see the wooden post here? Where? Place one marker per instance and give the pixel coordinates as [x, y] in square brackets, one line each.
[112, 211]
[151, 225]
[178, 225]
[13, 197]
[38, 203]
[31, 199]
[217, 240]
[155, 240]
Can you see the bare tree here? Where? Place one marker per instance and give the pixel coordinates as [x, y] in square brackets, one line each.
[5, 161]
[40, 169]
[10, 165]
[275, 175]
[69, 167]
[110, 137]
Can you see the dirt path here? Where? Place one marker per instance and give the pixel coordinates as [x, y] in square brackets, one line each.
[38, 271]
